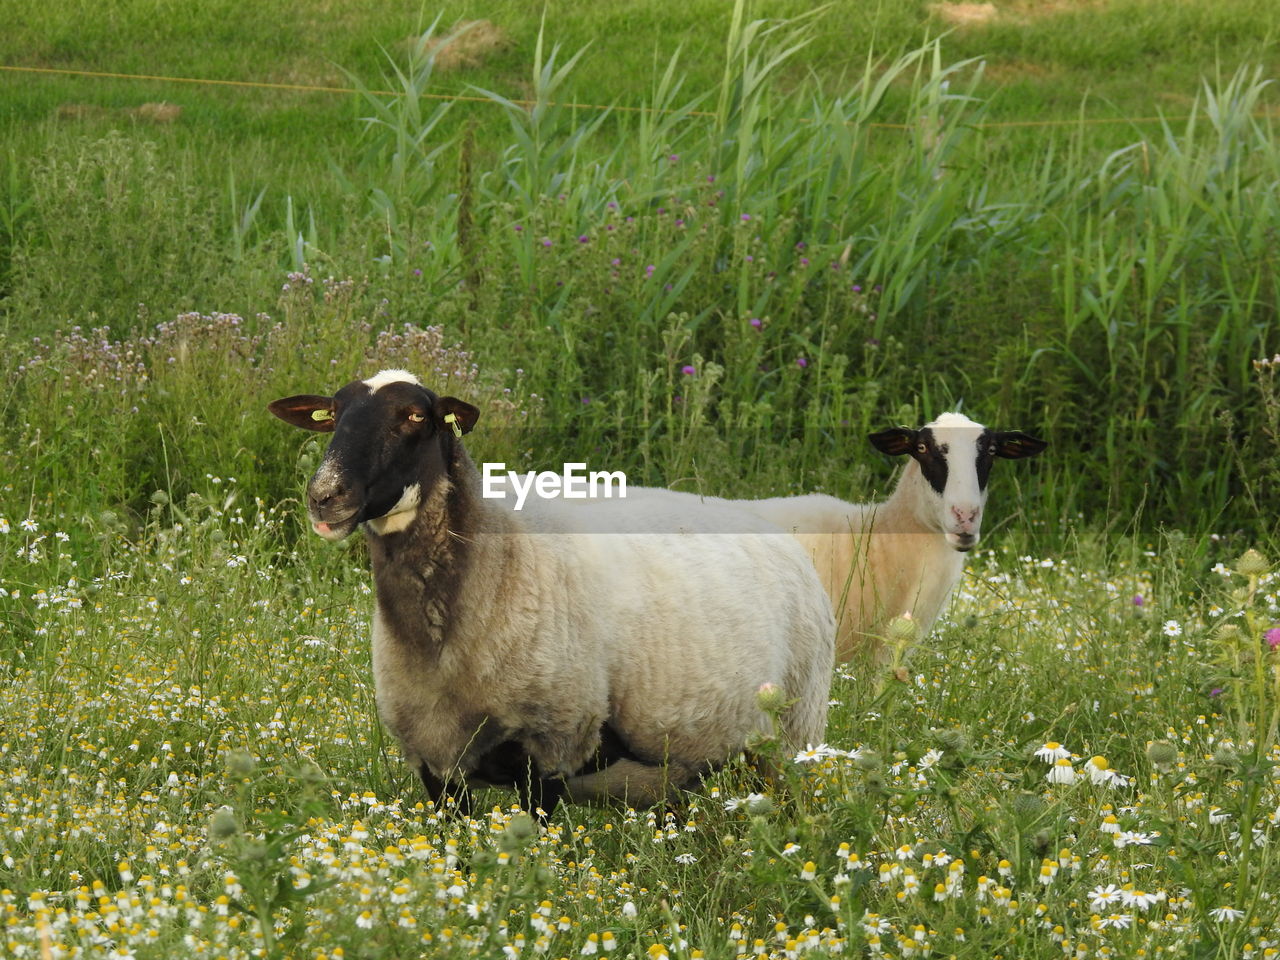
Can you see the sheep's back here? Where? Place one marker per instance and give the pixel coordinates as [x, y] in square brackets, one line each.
[695, 622]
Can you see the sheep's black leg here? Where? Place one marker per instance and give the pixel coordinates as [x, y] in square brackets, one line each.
[612, 749]
[436, 792]
[539, 793]
[507, 765]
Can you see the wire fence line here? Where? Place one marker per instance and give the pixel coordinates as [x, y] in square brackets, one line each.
[465, 98]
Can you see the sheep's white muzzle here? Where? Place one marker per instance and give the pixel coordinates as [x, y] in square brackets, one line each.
[962, 525]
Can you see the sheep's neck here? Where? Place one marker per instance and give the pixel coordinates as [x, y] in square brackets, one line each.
[900, 513]
[421, 573]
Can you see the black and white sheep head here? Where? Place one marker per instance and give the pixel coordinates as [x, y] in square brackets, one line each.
[392, 445]
[955, 455]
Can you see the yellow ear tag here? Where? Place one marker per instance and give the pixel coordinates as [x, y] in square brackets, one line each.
[452, 420]
[319, 415]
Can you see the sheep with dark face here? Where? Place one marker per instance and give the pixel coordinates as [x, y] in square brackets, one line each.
[905, 554]
[532, 650]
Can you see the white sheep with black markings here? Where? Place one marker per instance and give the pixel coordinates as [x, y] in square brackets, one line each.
[565, 649]
[905, 554]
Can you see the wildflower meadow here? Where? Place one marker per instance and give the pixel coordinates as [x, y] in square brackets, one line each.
[785, 229]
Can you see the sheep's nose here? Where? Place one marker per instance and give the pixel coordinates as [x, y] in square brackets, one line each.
[966, 517]
[328, 496]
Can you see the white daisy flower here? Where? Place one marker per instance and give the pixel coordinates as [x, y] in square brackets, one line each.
[1052, 752]
[1102, 897]
[1061, 772]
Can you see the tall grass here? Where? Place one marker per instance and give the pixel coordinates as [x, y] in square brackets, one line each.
[1141, 286]
[819, 272]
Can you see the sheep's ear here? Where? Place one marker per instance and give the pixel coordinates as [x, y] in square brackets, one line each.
[456, 415]
[306, 411]
[1015, 445]
[894, 442]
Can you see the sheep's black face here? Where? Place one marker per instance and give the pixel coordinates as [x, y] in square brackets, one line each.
[955, 455]
[393, 440]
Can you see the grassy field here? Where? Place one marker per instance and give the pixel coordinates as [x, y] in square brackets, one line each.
[825, 225]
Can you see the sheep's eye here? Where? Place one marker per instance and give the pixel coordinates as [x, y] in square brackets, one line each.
[921, 447]
[415, 417]
[992, 449]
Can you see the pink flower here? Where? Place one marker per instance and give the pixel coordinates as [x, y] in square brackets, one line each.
[688, 370]
[1273, 637]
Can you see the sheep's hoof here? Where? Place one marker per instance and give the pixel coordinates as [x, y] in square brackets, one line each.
[440, 793]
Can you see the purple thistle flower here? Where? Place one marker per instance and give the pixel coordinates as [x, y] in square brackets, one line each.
[804, 261]
[757, 322]
[746, 217]
[1215, 692]
[801, 362]
[1273, 637]
[674, 158]
[711, 178]
[417, 272]
[688, 370]
[546, 241]
[518, 228]
[1139, 600]
[857, 288]
[584, 239]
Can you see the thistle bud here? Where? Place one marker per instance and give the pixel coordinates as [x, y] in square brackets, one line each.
[954, 740]
[1251, 564]
[1228, 633]
[223, 824]
[771, 698]
[240, 763]
[1162, 753]
[868, 760]
[1027, 805]
[520, 830]
[903, 629]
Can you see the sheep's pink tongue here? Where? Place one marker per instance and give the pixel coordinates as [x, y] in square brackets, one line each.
[321, 527]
